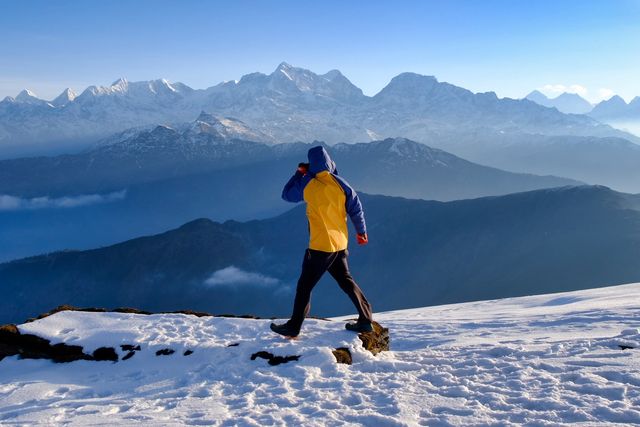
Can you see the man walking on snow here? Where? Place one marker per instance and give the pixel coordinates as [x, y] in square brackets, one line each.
[329, 200]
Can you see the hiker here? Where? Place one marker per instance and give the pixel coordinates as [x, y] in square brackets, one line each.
[329, 200]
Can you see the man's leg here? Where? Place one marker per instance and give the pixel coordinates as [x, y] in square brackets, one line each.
[313, 267]
[339, 270]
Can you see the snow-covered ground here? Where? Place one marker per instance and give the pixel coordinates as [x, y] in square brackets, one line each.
[542, 360]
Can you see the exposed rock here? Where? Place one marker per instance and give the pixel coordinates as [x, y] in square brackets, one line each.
[343, 355]
[193, 313]
[240, 316]
[28, 346]
[625, 347]
[272, 359]
[131, 310]
[63, 353]
[375, 341]
[12, 342]
[7, 341]
[7, 350]
[8, 330]
[128, 310]
[65, 307]
[130, 347]
[105, 353]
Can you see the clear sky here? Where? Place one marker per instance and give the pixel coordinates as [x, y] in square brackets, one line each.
[507, 46]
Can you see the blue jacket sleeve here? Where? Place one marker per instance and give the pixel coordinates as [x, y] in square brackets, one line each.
[293, 190]
[353, 206]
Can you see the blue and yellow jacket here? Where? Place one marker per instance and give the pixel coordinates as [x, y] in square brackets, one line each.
[329, 200]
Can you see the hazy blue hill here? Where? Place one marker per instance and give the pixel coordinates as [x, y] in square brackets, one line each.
[171, 176]
[421, 253]
[395, 166]
[605, 161]
[569, 103]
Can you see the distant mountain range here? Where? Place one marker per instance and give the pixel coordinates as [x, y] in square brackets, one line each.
[613, 111]
[421, 253]
[394, 166]
[616, 108]
[291, 104]
[607, 161]
[570, 103]
[163, 177]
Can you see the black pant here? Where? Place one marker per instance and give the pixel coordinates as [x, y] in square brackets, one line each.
[313, 267]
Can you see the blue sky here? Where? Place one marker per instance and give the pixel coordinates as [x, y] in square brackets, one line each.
[509, 47]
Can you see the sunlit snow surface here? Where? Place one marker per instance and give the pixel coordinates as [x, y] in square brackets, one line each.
[539, 360]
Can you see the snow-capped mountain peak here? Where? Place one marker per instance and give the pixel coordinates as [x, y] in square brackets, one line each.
[28, 97]
[289, 104]
[120, 85]
[64, 98]
[225, 128]
[285, 69]
[161, 86]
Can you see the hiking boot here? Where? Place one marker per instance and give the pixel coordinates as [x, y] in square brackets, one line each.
[285, 329]
[360, 326]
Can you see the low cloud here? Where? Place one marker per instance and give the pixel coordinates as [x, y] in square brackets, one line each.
[13, 203]
[558, 89]
[605, 93]
[232, 276]
[595, 96]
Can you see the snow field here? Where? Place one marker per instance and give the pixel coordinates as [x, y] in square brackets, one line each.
[543, 360]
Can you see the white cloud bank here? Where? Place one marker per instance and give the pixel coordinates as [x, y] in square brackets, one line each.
[553, 90]
[233, 276]
[558, 89]
[13, 203]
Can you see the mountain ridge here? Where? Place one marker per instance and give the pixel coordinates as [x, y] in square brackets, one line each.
[290, 104]
[541, 240]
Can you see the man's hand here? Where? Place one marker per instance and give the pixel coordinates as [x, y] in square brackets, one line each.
[362, 239]
[303, 168]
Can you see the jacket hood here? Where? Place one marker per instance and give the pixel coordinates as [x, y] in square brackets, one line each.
[319, 160]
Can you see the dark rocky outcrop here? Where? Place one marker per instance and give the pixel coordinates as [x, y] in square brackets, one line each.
[131, 350]
[375, 342]
[129, 310]
[28, 346]
[105, 354]
[343, 355]
[272, 359]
